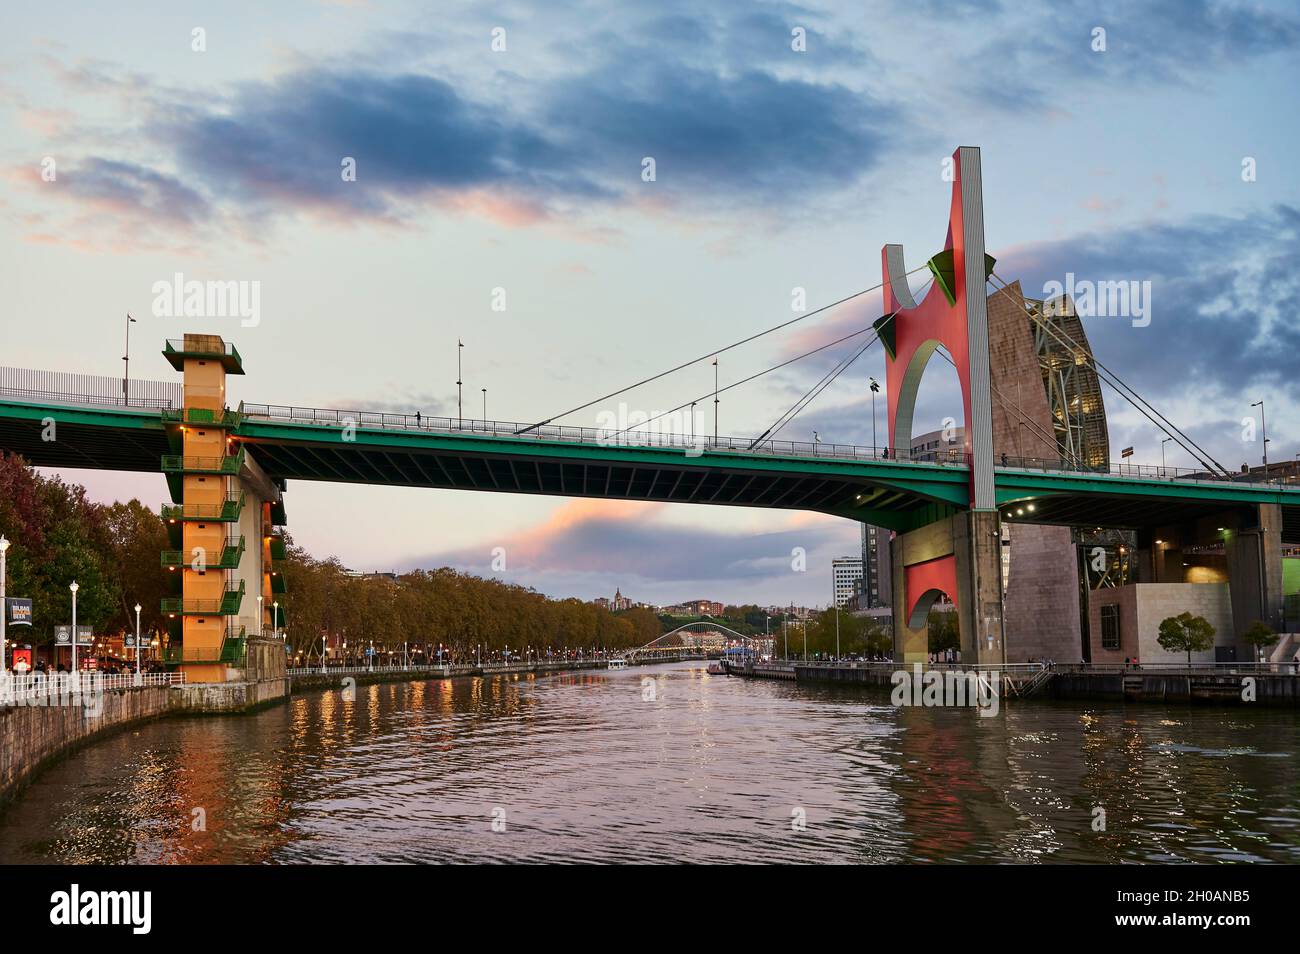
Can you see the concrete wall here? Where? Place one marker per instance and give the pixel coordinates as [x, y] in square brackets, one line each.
[1143, 606]
[31, 736]
[1042, 596]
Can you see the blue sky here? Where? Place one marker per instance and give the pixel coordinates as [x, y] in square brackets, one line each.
[521, 169]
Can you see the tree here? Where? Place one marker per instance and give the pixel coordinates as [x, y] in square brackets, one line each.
[943, 631]
[1185, 633]
[1260, 635]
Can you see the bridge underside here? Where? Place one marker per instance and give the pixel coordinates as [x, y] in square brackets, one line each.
[897, 495]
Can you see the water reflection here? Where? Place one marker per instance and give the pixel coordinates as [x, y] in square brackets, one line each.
[582, 766]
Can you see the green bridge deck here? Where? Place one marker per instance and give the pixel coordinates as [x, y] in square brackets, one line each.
[891, 493]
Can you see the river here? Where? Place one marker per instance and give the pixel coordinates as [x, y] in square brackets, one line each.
[601, 766]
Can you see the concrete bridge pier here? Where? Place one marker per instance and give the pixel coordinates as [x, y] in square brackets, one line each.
[959, 557]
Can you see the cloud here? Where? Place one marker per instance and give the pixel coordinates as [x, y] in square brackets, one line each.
[590, 546]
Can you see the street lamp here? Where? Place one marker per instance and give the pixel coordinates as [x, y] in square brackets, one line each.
[259, 615]
[73, 586]
[484, 390]
[275, 618]
[137, 644]
[875, 389]
[4, 603]
[126, 362]
[1162, 456]
[1263, 431]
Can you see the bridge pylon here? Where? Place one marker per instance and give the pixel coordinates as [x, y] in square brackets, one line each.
[960, 555]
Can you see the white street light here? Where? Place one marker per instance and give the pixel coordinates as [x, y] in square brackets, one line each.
[73, 586]
[137, 644]
[4, 604]
[259, 614]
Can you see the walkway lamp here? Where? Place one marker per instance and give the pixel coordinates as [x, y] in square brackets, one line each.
[4, 603]
[275, 618]
[875, 389]
[73, 586]
[137, 644]
[1263, 432]
[259, 614]
[1162, 456]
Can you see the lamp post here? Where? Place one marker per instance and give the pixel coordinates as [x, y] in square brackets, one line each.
[137, 644]
[4, 604]
[1263, 431]
[715, 402]
[875, 389]
[837, 629]
[259, 615]
[1162, 456]
[74, 589]
[275, 618]
[460, 405]
[126, 362]
[484, 390]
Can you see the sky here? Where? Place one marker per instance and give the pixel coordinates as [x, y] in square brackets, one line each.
[500, 158]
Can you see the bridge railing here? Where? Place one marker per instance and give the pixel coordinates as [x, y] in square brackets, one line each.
[707, 443]
[25, 688]
[60, 387]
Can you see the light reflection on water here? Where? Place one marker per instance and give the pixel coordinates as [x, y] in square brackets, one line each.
[714, 769]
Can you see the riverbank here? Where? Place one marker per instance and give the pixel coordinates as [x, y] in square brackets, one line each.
[1224, 684]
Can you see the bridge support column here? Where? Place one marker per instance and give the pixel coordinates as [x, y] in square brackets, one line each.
[960, 558]
[1253, 549]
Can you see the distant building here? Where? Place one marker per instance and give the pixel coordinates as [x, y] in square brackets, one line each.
[620, 602]
[846, 574]
[602, 602]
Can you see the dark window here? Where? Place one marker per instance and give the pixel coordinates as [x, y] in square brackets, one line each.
[1110, 627]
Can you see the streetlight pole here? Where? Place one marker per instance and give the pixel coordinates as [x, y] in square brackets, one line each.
[74, 589]
[4, 604]
[875, 389]
[126, 362]
[137, 643]
[715, 401]
[837, 629]
[1263, 429]
[259, 615]
[484, 404]
[1162, 456]
[460, 406]
[275, 618]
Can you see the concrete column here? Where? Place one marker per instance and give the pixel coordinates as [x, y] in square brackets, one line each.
[1253, 547]
[972, 541]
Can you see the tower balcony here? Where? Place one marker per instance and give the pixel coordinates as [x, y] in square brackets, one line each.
[229, 465]
[231, 651]
[204, 347]
[227, 419]
[226, 512]
[232, 551]
[225, 605]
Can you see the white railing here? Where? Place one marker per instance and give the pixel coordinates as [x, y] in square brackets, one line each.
[21, 688]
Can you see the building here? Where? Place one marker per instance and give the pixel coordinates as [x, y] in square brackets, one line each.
[620, 602]
[846, 575]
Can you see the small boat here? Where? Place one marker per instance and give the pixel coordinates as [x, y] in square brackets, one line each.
[716, 669]
[617, 664]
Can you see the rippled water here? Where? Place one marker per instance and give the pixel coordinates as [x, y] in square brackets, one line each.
[583, 767]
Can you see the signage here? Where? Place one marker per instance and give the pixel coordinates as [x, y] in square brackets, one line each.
[22, 660]
[128, 641]
[63, 635]
[19, 611]
[1126, 452]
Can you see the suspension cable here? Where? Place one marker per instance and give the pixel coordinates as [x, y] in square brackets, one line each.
[775, 367]
[711, 354]
[1119, 385]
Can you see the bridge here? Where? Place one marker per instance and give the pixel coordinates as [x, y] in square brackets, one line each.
[227, 469]
[696, 636]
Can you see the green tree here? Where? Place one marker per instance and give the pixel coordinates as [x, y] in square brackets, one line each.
[1185, 633]
[1260, 635]
[943, 631]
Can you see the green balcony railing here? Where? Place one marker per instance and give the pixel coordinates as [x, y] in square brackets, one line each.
[231, 553]
[226, 512]
[178, 464]
[278, 584]
[209, 347]
[278, 550]
[232, 651]
[225, 605]
[202, 416]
